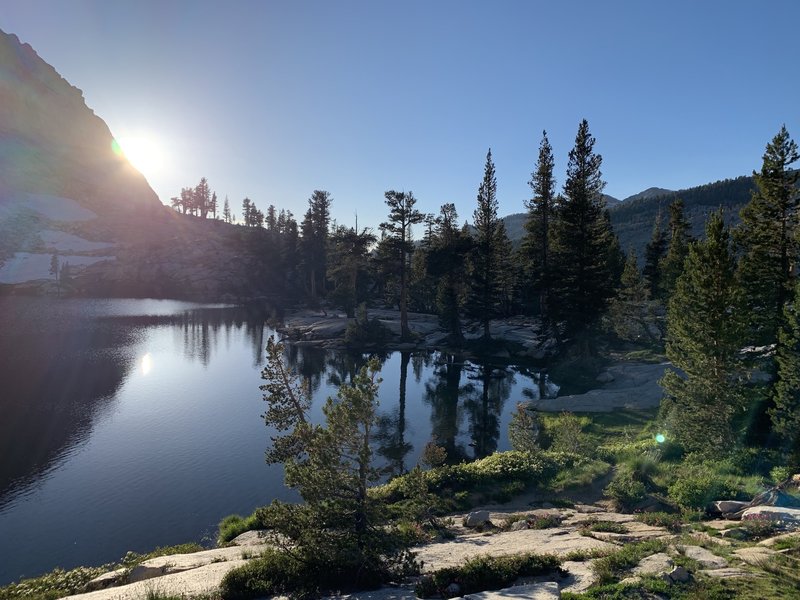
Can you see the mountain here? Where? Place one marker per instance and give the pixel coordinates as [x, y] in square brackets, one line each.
[65, 191]
[633, 218]
[651, 192]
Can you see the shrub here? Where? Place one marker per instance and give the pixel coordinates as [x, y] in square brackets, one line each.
[593, 525]
[526, 429]
[626, 489]
[698, 485]
[485, 573]
[567, 433]
[363, 331]
[234, 525]
[610, 567]
[671, 522]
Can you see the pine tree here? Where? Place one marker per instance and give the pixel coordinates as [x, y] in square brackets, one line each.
[484, 292]
[654, 253]
[247, 209]
[226, 211]
[703, 342]
[679, 238]
[348, 267]
[785, 412]
[768, 239]
[535, 249]
[402, 215]
[582, 280]
[630, 311]
[202, 198]
[314, 241]
[447, 263]
[338, 532]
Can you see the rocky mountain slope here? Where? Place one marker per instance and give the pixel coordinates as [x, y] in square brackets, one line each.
[64, 190]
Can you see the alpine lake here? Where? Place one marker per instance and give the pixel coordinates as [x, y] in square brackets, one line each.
[132, 424]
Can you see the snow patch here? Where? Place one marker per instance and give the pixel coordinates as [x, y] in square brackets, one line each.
[59, 241]
[25, 266]
[54, 208]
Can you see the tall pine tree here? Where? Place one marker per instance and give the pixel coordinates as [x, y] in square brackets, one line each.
[654, 253]
[483, 301]
[402, 215]
[785, 412]
[768, 239]
[703, 342]
[535, 249]
[582, 282]
[679, 238]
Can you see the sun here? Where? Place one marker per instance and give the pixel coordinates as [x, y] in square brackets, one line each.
[144, 152]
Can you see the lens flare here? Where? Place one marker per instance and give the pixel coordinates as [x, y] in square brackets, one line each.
[116, 148]
[660, 438]
[146, 364]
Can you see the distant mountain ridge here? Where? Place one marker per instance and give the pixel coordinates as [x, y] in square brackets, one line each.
[633, 218]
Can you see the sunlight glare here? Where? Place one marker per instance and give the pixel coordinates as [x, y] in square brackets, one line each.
[144, 152]
[147, 363]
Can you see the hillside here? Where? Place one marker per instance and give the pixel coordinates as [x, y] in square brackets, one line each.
[633, 217]
[65, 191]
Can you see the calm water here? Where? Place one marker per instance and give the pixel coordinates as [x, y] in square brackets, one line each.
[130, 424]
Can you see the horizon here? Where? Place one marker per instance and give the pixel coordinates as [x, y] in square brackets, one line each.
[272, 101]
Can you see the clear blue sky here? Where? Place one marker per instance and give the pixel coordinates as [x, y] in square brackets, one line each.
[273, 99]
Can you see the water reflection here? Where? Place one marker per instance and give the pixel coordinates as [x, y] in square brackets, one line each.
[391, 430]
[442, 393]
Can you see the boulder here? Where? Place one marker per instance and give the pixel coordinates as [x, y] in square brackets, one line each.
[790, 516]
[604, 377]
[519, 525]
[655, 564]
[706, 558]
[106, 580]
[477, 518]
[547, 590]
[755, 555]
[736, 533]
[725, 507]
[679, 575]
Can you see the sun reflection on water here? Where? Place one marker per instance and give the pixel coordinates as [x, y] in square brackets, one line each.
[146, 363]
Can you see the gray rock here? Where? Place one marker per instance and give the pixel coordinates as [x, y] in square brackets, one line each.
[655, 564]
[177, 563]
[547, 590]
[775, 513]
[755, 555]
[254, 537]
[706, 558]
[453, 590]
[726, 573]
[604, 377]
[519, 525]
[679, 575]
[106, 580]
[736, 533]
[727, 506]
[476, 518]
[580, 576]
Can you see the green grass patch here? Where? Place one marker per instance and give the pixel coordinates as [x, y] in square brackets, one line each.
[234, 525]
[609, 568]
[485, 573]
[59, 582]
[594, 525]
[671, 521]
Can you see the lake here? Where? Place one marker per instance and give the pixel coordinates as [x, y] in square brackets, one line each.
[131, 424]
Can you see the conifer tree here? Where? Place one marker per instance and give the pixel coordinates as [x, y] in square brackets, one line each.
[484, 292]
[630, 311]
[535, 249]
[447, 263]
[785, 413]
[226, 211]
[348, 267]
[679, 238]
[314, 241]
[654, 253]
[402, 216]
[703, 342]
[581, 240]
[768, 239]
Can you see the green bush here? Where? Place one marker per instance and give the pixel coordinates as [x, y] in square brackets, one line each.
[593, 525]
[300, 575]
[626, 489]
[567, 434]
[363, 331]
[56, 584]
[609, 568]
[485, 573]
[234, 525]
[671, 522]
[698, 485]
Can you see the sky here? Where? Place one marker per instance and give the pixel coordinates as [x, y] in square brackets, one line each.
[273, 99]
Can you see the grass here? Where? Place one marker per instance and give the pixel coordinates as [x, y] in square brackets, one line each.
[485, 573]
[593, 525]
[610, 567]
[235, 525]
[59, 582]
[670, 521]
